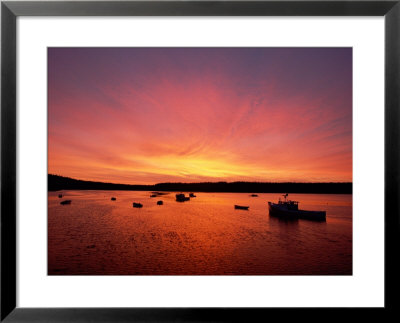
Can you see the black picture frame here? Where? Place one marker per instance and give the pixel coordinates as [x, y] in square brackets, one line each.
[10, 10]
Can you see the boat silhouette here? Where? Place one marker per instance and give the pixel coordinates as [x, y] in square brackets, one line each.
[240, 207]
[181, 198]
[290, 210]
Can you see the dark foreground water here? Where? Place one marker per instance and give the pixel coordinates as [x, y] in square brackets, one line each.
[204, 236]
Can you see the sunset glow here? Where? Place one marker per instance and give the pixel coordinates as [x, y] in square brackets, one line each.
[152, 115]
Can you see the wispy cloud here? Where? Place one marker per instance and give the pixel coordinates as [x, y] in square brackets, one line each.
[147, 115]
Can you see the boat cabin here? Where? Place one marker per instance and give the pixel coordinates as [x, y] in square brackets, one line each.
[289, 204]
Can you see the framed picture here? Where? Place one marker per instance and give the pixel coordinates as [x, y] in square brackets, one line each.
[192, 160]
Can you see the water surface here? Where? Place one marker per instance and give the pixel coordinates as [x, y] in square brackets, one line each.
[204, 236]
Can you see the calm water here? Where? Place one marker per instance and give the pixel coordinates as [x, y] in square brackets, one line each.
[204, 236]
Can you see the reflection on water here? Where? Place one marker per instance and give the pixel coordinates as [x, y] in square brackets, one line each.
[204, 236]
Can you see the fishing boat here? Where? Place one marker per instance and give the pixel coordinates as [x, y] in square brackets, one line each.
[138, 205]
[65, 202]
[240, 207]
[290, 210]
[181, 198]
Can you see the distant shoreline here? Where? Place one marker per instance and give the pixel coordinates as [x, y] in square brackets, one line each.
[57, 183]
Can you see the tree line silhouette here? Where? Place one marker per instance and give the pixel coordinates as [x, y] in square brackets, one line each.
[56, 183]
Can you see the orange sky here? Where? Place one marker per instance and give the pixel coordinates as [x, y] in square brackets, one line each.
[151, 115]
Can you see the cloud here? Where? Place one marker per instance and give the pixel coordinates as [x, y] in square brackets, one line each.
[154, 115]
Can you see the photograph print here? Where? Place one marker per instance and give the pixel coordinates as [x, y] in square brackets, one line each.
[200, 161]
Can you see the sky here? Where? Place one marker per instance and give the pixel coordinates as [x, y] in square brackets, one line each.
[153, 115]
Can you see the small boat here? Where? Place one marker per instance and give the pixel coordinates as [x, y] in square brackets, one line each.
[290, 210]
[159, 193]
[181, 198]
[60, 195]
[192, 195]
[240, 207]
[253, 195]
[113, 199]
[153, 195]
[160, 202]
[65, 202]
[139, 205]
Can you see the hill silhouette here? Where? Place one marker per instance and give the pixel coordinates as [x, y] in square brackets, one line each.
[56, 183]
